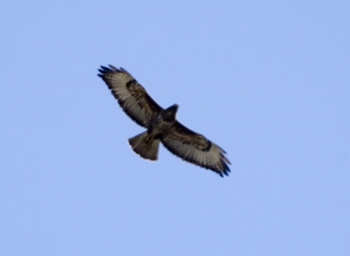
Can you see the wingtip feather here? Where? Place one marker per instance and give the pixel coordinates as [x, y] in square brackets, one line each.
[110, 68]
[114, 68]
[225, 170]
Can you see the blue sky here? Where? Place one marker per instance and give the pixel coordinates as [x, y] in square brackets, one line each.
[268, 81]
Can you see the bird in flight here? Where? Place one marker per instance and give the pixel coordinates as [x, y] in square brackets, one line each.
[161, 125]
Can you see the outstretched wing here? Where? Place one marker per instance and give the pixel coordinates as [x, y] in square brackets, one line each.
[132, 97]
[195, 148]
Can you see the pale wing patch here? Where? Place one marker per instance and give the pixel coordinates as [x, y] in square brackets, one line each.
[131, 96]
[196, 149]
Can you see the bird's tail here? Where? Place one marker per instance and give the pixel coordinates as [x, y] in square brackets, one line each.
[145, 145]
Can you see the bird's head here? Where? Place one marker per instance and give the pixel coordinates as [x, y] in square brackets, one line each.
[170, 113]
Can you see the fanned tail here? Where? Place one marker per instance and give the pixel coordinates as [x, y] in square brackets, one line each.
[145, 146]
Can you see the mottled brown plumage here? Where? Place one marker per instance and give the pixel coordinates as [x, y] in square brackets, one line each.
[161, 125]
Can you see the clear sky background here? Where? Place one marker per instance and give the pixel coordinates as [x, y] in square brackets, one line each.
[268, 81]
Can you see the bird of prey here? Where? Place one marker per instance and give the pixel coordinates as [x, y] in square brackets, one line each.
[161, 125]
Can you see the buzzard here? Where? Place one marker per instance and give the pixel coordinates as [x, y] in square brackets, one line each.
[161, 125]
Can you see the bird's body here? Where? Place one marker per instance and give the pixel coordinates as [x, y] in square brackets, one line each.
[161, 125]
